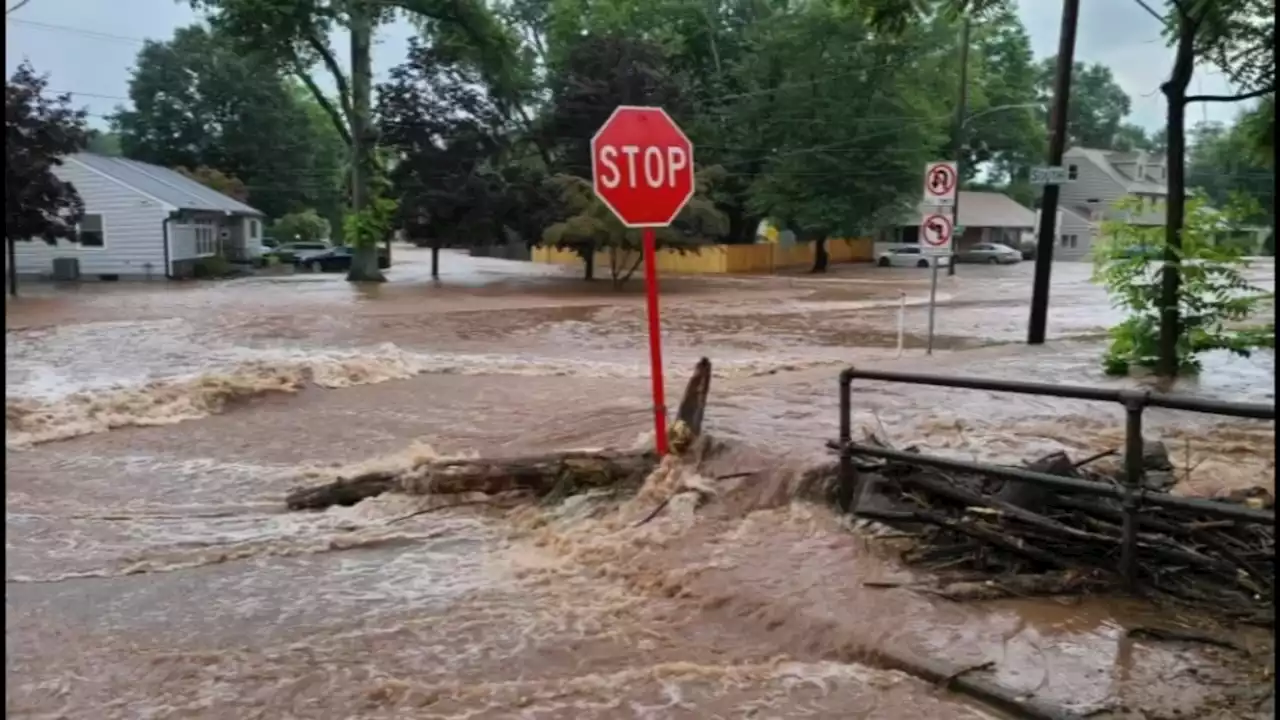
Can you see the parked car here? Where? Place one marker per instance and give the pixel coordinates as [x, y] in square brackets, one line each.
[908, 257]
[336, 259]
[288, 253]
[989, 253]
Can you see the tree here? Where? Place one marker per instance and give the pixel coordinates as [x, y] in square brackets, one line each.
[1003, 134]
[295, 33]
[304, 226]
[39, 130]
[104, 143]
[1221, 165]
[214, 179]
[1214, 296]
[449, 134]
[589, 226]
[1239, 37]
[1097, 108]
[199, 100]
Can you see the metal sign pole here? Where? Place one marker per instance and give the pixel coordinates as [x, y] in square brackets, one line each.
[933, 297]
[655, 341]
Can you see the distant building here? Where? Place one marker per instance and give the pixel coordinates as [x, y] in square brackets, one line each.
[987, 217]
[141, 222]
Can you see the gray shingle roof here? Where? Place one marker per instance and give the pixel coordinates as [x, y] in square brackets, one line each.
[986, 209]
[164, 184]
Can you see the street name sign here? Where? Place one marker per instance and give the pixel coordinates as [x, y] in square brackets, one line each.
[1050, 175]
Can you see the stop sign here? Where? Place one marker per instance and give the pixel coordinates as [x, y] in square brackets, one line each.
[642, 166]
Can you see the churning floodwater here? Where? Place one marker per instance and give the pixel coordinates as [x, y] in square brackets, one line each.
[152, 432]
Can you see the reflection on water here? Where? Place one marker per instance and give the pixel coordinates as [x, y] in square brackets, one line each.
[151, 571]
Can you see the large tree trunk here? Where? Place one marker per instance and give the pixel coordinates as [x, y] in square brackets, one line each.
[552, 475]
[820, 257]
[589, 260]
[1175, 91]
[364, 260]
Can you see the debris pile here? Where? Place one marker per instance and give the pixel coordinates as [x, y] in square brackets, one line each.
[983, 537]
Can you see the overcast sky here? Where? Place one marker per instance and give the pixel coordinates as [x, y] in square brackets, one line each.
[88, 46]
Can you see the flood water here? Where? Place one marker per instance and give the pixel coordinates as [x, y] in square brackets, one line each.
[152, 572]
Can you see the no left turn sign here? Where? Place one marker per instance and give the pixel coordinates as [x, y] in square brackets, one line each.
[935, 234]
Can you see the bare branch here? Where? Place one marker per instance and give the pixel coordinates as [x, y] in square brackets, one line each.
[19, 6]
[1231, 98]
[1151, 11]
[339, 122]
[331, 64]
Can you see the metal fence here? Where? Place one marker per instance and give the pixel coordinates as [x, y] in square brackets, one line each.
[1131, 493]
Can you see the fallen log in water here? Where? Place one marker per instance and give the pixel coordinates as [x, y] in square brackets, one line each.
[974, 522]
[550, 475]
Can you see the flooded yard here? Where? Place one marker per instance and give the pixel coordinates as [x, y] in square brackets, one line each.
[152, 432]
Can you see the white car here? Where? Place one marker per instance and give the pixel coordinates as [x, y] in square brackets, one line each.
[908, 257]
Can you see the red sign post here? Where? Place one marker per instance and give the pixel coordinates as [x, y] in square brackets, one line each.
[642, 169]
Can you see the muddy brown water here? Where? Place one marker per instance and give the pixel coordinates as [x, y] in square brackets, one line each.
[151, 571]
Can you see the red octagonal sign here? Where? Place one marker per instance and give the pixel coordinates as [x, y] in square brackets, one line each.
[642, 166]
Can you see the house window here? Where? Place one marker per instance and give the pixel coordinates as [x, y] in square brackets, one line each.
[206, 240]
[1068, 241]
[253, 229]
[91, 232]
[1073, 172]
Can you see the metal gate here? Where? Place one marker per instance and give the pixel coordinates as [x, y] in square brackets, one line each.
[1131, 493]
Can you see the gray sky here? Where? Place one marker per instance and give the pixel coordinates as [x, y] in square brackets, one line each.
[88, 46]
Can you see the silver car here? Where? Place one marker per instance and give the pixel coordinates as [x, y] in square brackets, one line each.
[989, 253]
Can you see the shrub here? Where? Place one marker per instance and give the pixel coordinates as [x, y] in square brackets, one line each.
[213, 267]
[1214, 298]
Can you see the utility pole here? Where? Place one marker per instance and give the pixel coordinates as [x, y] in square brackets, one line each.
[957, 136]
[1057, 146]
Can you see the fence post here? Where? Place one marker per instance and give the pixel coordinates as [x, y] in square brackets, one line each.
[848, 479]
[1134, 403]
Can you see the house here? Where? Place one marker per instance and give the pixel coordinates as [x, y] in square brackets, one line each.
[1098, 179]
[142, 221]
[985, 217]
[1075, 235]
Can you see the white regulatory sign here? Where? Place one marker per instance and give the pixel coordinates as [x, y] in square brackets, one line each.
[940, 180]
[935, 232]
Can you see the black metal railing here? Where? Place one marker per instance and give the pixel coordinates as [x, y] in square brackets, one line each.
[1131, 493]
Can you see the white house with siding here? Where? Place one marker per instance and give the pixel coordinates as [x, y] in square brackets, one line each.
[141, 222]
[1098, 179]
[1075, 235]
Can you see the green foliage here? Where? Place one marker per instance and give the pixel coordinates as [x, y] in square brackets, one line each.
[1097, 110]
[215, 179]
[589, 226]
[214, 266]
[39, 129]
[1222, 164]
[304, 226]
[371, 226]
[200, 100]
[1214, 297]
[104, 143]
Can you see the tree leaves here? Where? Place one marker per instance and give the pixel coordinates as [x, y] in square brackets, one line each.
[199, 101]
[39, 131]
[1214, 295]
